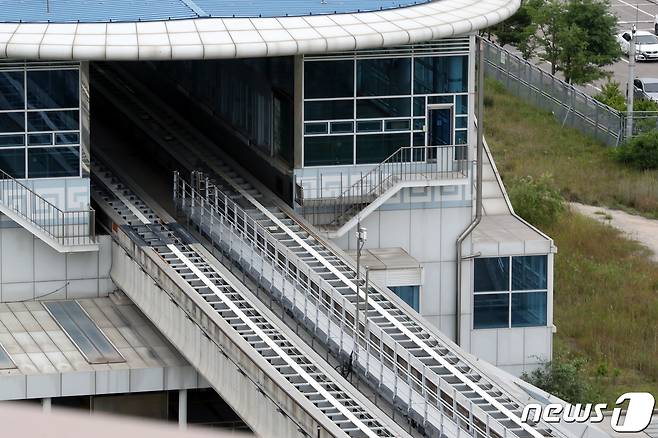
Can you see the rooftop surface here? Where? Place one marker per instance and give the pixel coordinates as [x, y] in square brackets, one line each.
[48, 364]
[95, 11]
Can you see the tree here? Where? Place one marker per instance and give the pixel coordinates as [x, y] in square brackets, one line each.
[577, 37]
[612, 96]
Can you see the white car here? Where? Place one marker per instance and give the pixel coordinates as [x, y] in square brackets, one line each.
[646, 45]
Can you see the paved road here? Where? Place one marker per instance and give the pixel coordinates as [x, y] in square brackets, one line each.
[637, 228]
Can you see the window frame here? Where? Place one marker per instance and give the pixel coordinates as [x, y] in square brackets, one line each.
[510, 292]
[26, 111]
[456, 99]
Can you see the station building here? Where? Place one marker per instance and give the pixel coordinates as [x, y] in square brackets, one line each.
[349, 115]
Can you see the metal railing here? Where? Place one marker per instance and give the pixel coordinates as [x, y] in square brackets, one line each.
[406, 164]
[68, 228]
[330, 315]
[569, 105]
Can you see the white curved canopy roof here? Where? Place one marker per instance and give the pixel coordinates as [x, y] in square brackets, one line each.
[213, 38]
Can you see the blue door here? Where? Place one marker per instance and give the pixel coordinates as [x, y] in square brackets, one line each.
[439, 131]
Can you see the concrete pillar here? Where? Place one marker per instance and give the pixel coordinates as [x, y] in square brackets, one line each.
[46, 404]
[182, 409]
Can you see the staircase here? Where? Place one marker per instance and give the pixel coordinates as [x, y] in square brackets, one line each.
[407, 167]
[64, 231]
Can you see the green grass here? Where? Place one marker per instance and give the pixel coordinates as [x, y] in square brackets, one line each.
[606, 305]
[606, 288]
[528, 141]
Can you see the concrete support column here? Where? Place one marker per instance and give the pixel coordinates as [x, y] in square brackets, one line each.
[182, 409]
[46, 404]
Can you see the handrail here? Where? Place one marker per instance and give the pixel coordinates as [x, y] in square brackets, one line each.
[66, 227]
[332, 310]
[408, 163]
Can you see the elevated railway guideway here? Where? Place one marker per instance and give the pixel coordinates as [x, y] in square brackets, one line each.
[284, 372]
[411, 365]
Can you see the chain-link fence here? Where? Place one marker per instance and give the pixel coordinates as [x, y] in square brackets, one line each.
[569, 105]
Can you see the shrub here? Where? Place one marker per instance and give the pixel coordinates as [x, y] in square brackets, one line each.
[640, 151]
[535, 200]
[564, 378]
[612, 96]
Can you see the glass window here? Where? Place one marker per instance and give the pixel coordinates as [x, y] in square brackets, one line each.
[39, 139]
[12, 122]
[369, 126]
[334, 150]
[375, 148]
[67, 138]
[12, 161]
[440, 74]
[383, 77]
[53, 89]
[490, 310]
[462, 104]
[491, 274]
[529, 273]
[528, 309]
[397, 125]
[461, 137]
[419, 106]
[324, 79]
[315, 128]
[14, 140]
[461, 122]
[408, 294]
[376, 108]
[53, 162]
[329, 110]
[342, 127]
[53, 121]
[12, 95]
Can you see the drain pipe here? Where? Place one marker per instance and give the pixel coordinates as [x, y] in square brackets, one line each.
[478, 186]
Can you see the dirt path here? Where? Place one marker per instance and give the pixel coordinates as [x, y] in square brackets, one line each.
[638, 228]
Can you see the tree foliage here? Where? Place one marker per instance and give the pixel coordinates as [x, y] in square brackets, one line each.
[612, 96]
[577, 37]
[563, 377]
[535, 200]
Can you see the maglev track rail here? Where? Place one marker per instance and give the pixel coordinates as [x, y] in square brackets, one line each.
[431, 369]
[269, 341]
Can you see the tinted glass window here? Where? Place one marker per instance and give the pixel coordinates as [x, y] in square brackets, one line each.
[328, 79]
[12, 140]
[11, 90]
[440, 74]
[490, 311]
[53, 89]
[375, 108]
[12, 161]
[409, 294]
[39, 139]
[383, 77]
[328, 110]
[529, 309]
[375, 148]
[53, 162]
[529, 272]
[12, 122]
[319, 151]
[491, 274]
[53, 121]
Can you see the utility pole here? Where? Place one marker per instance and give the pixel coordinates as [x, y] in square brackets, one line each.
[631, 86]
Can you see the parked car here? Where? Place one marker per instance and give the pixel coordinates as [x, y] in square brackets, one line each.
[646, 88]
[646, 45]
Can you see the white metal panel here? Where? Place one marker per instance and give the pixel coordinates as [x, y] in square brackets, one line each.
[161, 40]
